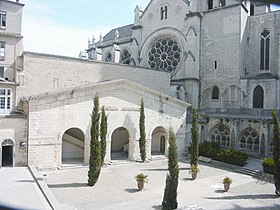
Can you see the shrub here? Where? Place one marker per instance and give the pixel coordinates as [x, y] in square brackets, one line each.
[268, 165]
[213, 150]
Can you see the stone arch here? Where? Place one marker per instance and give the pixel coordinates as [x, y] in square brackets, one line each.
[249, 139]
[120, 143]
[191, 30]
[220, 133]
[159, 141]
[73, 144]
[7, 148]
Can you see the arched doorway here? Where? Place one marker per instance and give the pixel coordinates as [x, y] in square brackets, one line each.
[119, 144]
[158, 141]
[73, 146]
[7, 152]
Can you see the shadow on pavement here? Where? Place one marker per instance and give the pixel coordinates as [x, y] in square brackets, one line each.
[132, 190]
[67, 185]
[163, 169]
[258, 196]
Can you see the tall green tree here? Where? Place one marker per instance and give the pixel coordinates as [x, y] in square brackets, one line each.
[170, 192]
[103, 134]
[195, 139]
[95, 149]
[142, 140]
[276, 152]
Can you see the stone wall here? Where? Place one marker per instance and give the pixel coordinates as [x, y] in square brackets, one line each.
[53, 114]
[47, 73]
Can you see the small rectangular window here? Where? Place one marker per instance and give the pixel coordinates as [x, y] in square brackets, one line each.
[2, 70]
[2, 50]
[5, 101]
[215, 64]
[3, 20]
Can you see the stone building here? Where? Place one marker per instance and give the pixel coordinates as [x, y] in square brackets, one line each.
[223, 57]
[220, 56]
[46, 102]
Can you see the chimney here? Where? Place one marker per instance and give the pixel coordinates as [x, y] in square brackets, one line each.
[17, 1]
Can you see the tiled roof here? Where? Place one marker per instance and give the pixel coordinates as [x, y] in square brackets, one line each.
[124, 32]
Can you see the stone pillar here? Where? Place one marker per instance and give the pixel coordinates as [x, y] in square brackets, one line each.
[237, 133]
[148, 148]
[107, 157]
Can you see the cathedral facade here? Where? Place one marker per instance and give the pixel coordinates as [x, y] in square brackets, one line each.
[222, 56]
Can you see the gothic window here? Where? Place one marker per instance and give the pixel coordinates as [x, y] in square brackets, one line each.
[2, 50]
[215, 93]
[252, 9]
[258, 96]
[108, 57]
[163, 12]
[221, 134]
[5, 101]
[249, 140]
[265, 48]
[3, 20]
[210, 4]
[222, 3]
[164, 54]
[125, 56]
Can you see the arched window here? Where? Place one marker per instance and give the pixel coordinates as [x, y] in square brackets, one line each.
[108, 57]
[220, 134]
[125, 56]
[163, 12]
[252, 9]
[258, 97]
[265, 47]
[215, 93]
[249, 140]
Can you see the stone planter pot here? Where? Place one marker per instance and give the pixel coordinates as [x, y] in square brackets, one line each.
[140, 185]
[226, 186]
[194, 175]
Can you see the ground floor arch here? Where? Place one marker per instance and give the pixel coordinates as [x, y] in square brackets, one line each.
[7, 148]
[120, 144]
[159, 141]
[73, 141]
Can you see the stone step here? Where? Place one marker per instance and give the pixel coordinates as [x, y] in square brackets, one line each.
[250, 172]
[157, 157]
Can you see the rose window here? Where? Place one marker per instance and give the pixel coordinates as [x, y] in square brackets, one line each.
[165, 54]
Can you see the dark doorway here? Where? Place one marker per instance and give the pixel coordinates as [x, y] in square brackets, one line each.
[162, 144]
[7, 156]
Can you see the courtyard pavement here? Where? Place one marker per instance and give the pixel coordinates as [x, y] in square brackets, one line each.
[18, 190]
[116, 188]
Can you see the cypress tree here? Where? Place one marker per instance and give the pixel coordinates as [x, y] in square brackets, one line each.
[276, 152]
[103, 134]
[142, 140]
[95, 150]
[170, 192]
[195, 139]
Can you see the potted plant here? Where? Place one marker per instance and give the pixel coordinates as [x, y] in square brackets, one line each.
[227, 181]
[193, 171]
[141, 179]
